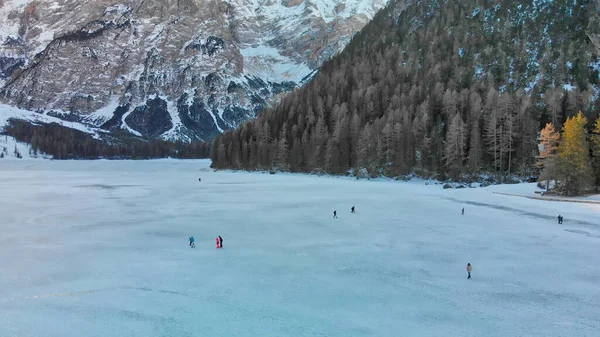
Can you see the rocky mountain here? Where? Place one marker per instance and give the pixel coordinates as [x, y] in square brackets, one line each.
[174, 69]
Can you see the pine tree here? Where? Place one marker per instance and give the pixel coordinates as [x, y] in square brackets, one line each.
[574, 167]
[547, 158]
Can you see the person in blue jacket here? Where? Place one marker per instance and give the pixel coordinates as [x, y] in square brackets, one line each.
[192, 244]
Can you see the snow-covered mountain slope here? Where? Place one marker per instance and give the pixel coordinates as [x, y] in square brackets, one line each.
[8, 112]
[182, 69]
[10, 148]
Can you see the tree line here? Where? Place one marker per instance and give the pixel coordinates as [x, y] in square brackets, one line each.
[445, 89]
[65, 143]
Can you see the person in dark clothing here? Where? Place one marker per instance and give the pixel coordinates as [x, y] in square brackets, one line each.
[560, 219]
[352, 210]
[334, 214]
[469, 268]
[220, 241]
[463, 211]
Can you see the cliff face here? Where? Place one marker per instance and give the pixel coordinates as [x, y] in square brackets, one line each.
[185, 69]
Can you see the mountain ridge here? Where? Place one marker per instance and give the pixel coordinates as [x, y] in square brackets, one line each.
[213, 64]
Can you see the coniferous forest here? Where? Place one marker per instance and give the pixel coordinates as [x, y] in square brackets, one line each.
[444, 89]
[65, 143]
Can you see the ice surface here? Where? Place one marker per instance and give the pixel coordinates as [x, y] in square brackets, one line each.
[100, 249]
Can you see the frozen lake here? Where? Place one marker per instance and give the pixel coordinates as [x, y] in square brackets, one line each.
[100, 249]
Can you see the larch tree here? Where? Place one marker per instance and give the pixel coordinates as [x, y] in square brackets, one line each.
[574, 169]
[595, 143]
[475, 142]
[354, 135]
[449, 103]
[553, 99]
[507, 130]
[387, 144]
[493, 138]
[365, 147]
[548, 147]
[221, 155]
[332, 155]
[456, 141]
[282, 156]
[508, 137]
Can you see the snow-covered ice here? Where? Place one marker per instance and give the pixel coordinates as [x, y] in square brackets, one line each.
[99, 248]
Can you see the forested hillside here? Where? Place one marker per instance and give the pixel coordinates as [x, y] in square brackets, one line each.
[62, 142]
[439, 88]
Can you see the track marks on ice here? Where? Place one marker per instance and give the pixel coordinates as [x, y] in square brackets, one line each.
[520, 211]
[91, 291]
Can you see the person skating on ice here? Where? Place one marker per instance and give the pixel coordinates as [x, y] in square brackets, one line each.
[469, 268]
[352, 211]
[334, 214]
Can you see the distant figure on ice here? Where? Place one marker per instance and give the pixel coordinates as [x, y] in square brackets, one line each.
[220, 241]
[463, 211]
[200, 179]
[192, 244]
[560, 219]
[352, 210]
[334, 214]
[469, 268]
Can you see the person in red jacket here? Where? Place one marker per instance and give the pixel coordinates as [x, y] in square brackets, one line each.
[218, 243]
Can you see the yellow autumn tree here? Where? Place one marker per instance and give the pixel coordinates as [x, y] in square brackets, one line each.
[595, 140]
[547, 159]
[574, 169]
